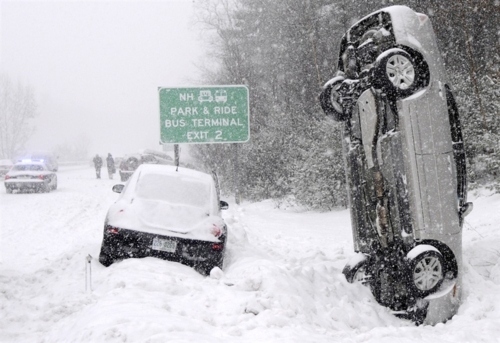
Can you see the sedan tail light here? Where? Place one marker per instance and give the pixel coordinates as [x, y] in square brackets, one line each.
[112, 230]
[216, 231]
[217, 246]
[7, 177]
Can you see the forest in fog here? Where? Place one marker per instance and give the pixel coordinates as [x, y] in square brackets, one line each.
[285, 51]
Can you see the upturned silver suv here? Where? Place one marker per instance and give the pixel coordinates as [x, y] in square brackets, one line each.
[405, 163]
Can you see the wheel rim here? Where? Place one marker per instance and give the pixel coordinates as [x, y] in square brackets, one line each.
[360, 275]
[428, 273]
[400, 71]
[334, 99]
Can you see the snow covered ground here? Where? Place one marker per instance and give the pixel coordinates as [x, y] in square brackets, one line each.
[282, 281]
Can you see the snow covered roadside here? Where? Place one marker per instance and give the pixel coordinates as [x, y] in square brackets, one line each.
[282, 281]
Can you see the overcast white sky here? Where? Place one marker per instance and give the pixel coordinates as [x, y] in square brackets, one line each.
[96, 66]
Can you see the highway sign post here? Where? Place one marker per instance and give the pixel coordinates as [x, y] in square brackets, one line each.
[211, 114]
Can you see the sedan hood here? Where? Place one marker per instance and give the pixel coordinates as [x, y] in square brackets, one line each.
[164, 219]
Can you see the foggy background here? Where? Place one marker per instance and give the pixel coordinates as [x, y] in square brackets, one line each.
[95, 67]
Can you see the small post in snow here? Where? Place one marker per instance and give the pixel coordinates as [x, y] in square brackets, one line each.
[176, 152]
[88, 274]
[236, 172]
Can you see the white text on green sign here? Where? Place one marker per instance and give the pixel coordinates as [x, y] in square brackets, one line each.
[213, 114]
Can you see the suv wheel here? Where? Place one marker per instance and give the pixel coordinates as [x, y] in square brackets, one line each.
[330, 99]
[356, 271]
[397, 73]
[426, 270]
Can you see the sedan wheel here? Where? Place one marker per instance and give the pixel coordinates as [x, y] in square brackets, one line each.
[105, 259]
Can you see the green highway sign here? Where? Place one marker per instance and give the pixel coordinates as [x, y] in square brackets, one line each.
[211, 114]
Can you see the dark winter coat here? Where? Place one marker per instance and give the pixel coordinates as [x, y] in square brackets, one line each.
[97, 162]
[111, 163]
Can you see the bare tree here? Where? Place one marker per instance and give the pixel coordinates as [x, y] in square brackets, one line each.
[17, 108]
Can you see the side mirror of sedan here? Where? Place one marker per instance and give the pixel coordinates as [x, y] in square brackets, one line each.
[223, 205]
[118, 188]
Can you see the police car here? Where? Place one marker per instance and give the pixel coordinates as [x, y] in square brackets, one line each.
[30, 175]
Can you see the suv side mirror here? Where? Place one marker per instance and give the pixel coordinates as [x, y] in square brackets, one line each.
[465, 209]
[223, 205]
[118, 188]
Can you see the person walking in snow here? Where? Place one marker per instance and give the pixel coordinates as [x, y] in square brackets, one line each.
[98, 165]
[111, 165]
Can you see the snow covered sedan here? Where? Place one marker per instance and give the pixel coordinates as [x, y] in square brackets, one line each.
[405, 163]
[30, 176]
[166, 212]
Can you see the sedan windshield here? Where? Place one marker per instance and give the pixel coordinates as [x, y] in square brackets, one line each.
[176, 190]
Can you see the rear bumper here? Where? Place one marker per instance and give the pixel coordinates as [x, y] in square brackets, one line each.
[24, 184]
[136, 244]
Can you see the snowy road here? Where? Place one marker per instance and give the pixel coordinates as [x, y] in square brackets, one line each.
[282, 280]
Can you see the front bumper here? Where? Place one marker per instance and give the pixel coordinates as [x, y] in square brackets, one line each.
[443, 304]
[435, 308]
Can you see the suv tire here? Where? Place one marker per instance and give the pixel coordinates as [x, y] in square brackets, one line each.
[426, 270]
[330, 99]
[396, 73]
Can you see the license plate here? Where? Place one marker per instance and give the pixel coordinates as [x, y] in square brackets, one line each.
[164, 245]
